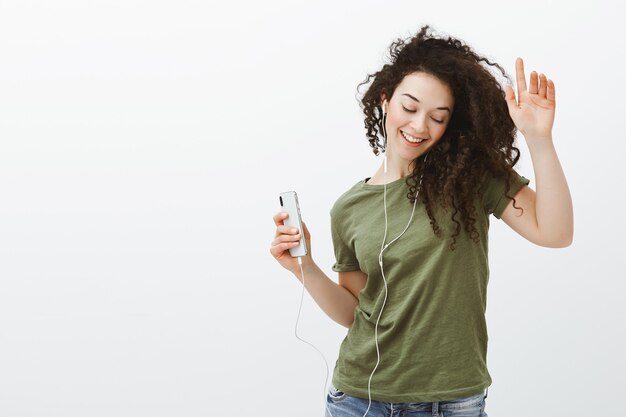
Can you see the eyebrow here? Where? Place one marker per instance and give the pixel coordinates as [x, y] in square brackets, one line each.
[438, 108]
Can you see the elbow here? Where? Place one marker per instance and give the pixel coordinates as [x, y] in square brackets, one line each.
[346, 324]
[559, 243]
[569, 238]
[562, 245]
[555, 239]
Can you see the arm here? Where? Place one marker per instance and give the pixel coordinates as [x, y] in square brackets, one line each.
[548, 218]
[336, 301]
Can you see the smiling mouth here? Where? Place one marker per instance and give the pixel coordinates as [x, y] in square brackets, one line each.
[410, 139]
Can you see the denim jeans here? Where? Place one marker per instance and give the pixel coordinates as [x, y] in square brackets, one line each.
[342, 405]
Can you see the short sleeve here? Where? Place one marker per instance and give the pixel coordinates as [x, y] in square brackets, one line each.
[344, 254]
[494, 198]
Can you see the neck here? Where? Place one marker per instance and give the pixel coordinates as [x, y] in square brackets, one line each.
[393, 174]
[395, 169]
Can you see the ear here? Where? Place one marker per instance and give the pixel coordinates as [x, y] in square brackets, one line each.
[383, 97]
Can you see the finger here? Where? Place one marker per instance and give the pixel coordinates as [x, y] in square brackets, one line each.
[534, 81]
[551, 95]
[284, 229]
[279, 221]
[519, 76]
[282, 247]
[286, 239]
[542, 86]
[510, 98]
[280, 217]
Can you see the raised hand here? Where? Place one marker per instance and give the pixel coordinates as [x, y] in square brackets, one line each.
[533, 111]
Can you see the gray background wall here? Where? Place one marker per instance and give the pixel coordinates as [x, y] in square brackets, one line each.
[143, 145]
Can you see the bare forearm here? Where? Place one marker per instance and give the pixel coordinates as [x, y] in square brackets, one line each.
[555, 216]
[337, 302]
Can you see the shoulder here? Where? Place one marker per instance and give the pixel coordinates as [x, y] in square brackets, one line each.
[489, 180]
[346, 199]
[496, 193]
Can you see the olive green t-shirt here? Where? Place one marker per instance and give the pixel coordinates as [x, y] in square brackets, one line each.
[432, 334]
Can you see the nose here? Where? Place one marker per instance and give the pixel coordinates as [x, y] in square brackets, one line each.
[419, 124]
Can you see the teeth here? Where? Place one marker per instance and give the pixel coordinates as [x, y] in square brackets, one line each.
[411, 138]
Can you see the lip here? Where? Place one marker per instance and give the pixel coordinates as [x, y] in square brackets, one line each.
[414, 145]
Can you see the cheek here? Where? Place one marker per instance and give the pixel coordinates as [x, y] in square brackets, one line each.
[395, 120]
[440, 130]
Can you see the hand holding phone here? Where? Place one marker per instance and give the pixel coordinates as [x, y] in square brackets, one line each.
[289, 204]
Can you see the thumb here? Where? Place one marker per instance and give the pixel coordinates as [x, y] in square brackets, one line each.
[509, 96]
[307, 235]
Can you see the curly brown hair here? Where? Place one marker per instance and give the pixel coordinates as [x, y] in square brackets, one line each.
[479, 138]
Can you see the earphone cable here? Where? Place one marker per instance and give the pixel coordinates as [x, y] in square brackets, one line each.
[380, 259]
[296, 332]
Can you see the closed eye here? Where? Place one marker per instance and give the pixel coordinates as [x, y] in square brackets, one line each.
[413, 111]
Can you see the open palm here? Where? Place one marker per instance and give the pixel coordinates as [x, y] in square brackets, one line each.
[533, 111]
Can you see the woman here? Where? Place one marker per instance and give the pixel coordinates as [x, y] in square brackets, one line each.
[448, 131]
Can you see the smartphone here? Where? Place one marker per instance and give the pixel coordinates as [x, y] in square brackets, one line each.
[289, 204]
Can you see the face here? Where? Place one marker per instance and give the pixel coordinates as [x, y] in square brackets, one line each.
[421, 107]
